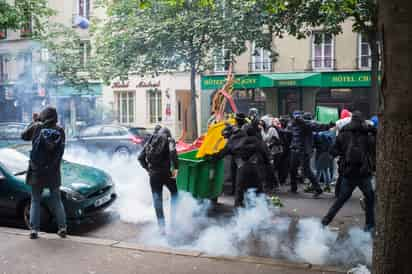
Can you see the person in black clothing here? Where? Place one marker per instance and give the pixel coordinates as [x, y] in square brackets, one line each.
[248, 153]
[286, 137]
[44, 122]
[159, 158]
[355, 145]
[302, 148]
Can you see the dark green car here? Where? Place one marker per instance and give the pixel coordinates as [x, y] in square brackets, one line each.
[86, 191]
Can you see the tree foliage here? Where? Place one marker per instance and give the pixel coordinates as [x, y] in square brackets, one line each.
[170, 35]
[65, 61]
[22, 12]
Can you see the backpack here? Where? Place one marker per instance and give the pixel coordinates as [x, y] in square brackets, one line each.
[355, 154]
[46, 151]
[155, 149]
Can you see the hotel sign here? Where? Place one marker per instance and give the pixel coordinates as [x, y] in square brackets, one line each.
[347, 79]
[241, 81]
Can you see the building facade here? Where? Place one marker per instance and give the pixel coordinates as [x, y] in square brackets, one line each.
[146, 101]
[322, 70]
[24, 87]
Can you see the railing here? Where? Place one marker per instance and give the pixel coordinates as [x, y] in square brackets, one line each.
[260, 67]
[221, 67]
[322, 63]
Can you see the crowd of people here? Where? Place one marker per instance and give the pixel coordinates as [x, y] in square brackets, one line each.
[265, 153]
[268, 152]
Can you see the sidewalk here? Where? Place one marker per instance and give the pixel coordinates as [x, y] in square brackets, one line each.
[51, 255]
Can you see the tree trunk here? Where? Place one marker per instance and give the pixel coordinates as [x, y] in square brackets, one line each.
[374, 91]
[193, 109]
[394, 169]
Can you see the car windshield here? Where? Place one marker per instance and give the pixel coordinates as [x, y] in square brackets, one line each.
[14, 161]
[139, 131]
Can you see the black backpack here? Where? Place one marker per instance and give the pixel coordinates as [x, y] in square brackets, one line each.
[46, 151]
[155, 150]
[355, 154]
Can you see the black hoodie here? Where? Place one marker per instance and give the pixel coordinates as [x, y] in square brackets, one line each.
[366, 137]
[48, 119]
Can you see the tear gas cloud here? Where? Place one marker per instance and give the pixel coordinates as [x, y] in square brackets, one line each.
[254, 230]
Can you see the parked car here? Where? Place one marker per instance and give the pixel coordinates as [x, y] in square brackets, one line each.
[85, 190]
[10, 134]
[113, 139]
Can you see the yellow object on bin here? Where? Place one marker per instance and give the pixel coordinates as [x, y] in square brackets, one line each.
[214, 141]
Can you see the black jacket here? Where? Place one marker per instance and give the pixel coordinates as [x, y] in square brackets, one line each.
[302, 134]
[366, 138]
[169, 155]
[48, 119]
[243, 148]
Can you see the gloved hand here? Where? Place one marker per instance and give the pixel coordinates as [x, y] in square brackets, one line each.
[209, 157]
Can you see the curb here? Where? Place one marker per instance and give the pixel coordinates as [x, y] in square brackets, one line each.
[177, 252]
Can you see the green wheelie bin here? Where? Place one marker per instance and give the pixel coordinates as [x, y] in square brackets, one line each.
[202, 178]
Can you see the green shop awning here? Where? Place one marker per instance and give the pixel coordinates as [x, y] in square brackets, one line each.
[92, 89]
[241, 81]
[294, 79]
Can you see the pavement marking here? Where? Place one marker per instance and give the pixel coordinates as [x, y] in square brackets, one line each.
[177, 252]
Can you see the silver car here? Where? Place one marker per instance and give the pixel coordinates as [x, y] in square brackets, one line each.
[116, 140]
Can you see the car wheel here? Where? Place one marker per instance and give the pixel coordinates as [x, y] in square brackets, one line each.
[122, 153]
[45, 217]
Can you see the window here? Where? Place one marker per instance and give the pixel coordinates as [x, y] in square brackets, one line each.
[261, 60]
[125, 102]
[114, 131]
[91, 132]
[155, 105]
[3, 68]
[84, 8]
[364, 50]
[221, 60]
[85, 51]
[322, 51]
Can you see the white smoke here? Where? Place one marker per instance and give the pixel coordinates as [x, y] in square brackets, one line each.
[256, 230]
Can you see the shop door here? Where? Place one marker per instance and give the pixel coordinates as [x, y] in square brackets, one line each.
[184, 124]
[289, 100]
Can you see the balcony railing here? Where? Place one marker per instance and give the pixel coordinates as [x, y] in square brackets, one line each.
[327, 63]
[221, 67]
[260, 67]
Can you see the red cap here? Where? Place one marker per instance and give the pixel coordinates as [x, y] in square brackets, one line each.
[345, 113]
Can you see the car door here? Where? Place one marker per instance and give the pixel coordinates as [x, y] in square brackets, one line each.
[7, 198]
[113, 138]
[90, 138]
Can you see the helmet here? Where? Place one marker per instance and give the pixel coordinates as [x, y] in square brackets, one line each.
[240, 119]
[307, 116]
[297, 114]
[253, 112]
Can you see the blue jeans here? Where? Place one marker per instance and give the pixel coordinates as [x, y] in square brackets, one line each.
[157, 181]
[56, 203]
[325, 174]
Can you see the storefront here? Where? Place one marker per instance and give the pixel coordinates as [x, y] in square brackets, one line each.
[282, 93]
[146, 101]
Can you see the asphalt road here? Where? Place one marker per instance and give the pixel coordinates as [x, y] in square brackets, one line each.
[109, 225]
